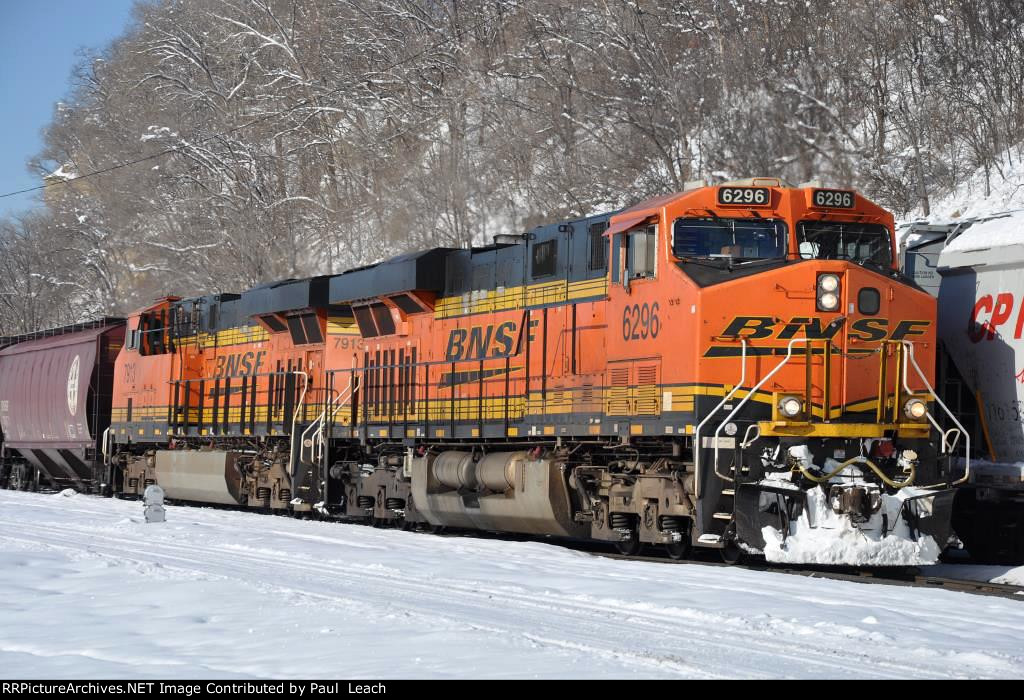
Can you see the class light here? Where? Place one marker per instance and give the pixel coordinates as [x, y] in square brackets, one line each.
[791, 406]
[915, 409]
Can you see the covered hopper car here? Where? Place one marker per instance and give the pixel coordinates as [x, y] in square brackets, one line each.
[55, 397]
[975, 268]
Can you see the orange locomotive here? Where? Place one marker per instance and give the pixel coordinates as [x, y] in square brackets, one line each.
[738, 367]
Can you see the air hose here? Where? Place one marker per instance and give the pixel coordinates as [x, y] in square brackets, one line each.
[874, 467]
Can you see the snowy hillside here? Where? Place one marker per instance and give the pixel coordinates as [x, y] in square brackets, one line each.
[91, 591]
[1002, 190]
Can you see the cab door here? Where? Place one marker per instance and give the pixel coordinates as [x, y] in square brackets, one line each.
[633, 375]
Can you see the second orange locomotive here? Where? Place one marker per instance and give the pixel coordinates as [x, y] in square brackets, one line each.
[738, 367]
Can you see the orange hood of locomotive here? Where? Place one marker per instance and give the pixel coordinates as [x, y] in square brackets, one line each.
[772, 309]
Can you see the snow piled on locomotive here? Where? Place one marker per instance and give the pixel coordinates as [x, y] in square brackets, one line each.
[820, 536]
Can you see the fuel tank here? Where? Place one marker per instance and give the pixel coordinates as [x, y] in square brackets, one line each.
[500, 491]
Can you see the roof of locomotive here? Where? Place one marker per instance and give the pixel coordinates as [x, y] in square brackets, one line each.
[630, 216]
[451, 271]
[421, 270]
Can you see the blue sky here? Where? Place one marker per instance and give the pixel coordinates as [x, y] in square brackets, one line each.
[40, 42]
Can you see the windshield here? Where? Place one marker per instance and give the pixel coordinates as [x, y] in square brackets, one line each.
[729, 238]
[832, 240]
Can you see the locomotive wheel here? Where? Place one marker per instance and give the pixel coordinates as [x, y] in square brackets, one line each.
[677, 550]
[630, 546]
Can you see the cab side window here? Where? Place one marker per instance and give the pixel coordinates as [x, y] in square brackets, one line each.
[151, 336]
[641, 252]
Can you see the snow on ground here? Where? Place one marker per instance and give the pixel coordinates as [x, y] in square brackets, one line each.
[974, 197]
[89, 590]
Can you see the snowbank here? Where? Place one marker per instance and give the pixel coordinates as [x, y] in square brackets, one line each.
[1008, 575]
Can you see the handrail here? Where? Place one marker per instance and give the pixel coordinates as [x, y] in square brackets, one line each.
[191, 382]
[295, 418]
[908, 356]
[105, 446]
[344, 398]
[319, 425]
[753, 390]
[908, 360]
[696, 433]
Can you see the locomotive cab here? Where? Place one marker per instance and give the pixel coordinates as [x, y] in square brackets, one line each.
[797, 363]
[209, 392]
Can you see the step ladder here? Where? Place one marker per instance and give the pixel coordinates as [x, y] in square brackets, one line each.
[314, 438]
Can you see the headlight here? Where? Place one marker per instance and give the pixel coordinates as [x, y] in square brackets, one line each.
[828, 302]
[828, 283]
[791, 406]
[915, 409]
[828, 292]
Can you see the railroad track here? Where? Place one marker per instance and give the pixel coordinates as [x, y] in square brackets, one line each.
[892, 577]
[897, 576]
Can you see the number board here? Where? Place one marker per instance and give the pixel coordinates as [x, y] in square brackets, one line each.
[744, 196]
[832, 199]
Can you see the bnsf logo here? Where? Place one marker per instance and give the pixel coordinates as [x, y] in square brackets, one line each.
[866, 329]
[240, 364]
[999, 311]
[483, 342]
